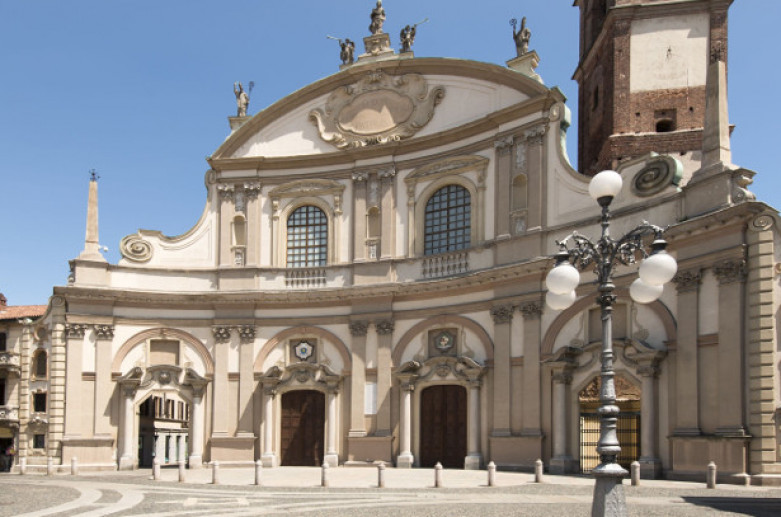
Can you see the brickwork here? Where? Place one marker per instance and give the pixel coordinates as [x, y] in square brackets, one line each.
[619, 148]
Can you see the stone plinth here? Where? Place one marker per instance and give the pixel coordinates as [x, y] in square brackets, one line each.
[526, 64]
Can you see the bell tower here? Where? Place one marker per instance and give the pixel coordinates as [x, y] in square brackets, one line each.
[642, 77]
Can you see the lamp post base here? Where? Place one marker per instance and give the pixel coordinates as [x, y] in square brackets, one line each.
[609, 499]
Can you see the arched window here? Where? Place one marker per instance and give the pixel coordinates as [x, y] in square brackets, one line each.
[448, 220]
[39, 365]
[307, 237]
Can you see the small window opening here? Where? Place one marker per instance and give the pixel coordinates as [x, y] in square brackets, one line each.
[39, 402]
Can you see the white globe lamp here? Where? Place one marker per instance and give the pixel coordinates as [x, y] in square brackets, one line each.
[559, 302]
[562, 279]
[645, 293]
[658, 269]
[605, 186]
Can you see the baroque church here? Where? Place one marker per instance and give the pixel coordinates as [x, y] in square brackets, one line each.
[366, 282]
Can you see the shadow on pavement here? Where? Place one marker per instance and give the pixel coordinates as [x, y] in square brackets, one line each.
[755, 506]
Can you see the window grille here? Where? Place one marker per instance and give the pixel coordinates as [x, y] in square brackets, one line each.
[307, 237]
[448, 220]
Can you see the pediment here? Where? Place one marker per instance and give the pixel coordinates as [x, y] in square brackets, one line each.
[447, 166]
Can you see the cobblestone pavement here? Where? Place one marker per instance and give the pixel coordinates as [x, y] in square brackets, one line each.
[353, 492]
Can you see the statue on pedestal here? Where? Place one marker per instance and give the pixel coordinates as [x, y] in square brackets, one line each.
[348, 50]
[407, 38]
[242, 99]
[378, 18]
[521, 36]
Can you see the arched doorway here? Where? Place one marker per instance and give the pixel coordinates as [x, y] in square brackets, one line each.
[163, 429]
[627, 427]
[303, 428]
[443, 426]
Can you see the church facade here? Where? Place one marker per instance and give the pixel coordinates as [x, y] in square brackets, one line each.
[366, 281]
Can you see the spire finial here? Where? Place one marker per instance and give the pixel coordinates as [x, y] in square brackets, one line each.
[93, 175]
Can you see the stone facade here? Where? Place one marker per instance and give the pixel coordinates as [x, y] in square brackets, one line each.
[411, 328]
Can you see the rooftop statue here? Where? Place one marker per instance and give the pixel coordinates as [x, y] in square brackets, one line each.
[242, 99]
[407, 38]
[348, 50]
[378, 18]
[521, 36]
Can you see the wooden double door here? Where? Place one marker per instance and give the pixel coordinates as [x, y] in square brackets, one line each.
[303, 428]
[443, 426]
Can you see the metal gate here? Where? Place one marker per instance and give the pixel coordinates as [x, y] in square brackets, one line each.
[627, 429]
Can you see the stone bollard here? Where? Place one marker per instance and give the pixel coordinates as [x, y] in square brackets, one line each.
[156, 469]
[438, 475]
[324, 475]
[381, 475]
[538, 470]
[22, 466]
[49, 466]
[74, 466]
[182, 471]
[634, 467]
[710, 479]
[258, 472]
[215, 472]
[491, 474]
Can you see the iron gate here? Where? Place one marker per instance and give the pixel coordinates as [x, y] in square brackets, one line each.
[627, 429]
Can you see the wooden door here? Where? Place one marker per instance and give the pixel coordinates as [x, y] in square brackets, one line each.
[303, 428]
[443, 426]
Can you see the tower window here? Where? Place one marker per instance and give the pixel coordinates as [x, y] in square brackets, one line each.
[3, 339]
[664, 120]
[595, 99]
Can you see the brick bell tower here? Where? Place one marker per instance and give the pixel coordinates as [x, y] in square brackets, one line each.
[641, 78]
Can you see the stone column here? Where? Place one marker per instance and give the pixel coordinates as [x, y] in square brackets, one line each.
[731, 275]
[502, 316]
[222, 337]
[406, 459]
[181, 447]
[532, 312]
[197, 421]
[650, 465]
[358, 331]
[160, 449]
[562, 460]
[268, 458]
[687, 368]
[171, 439]
[503, 189]
[473, 456]
[331, 454]
[384, 363]
[127, 461]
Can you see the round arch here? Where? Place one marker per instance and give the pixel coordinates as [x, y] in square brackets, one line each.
[285, 213]
[406, 339]
[585, 302]
[163, 333]
[323, 334]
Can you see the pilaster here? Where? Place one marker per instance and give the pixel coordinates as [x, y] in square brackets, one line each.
[104, 335]
[358, 331]
[532, 321]
[360, 211]
[503, 189]
[502, 316]
[384, 329]
[687, 421]
[246, 379]
[220, 393]
[387, 212]
[56, 379]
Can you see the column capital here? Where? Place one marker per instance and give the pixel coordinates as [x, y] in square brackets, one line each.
[730, 270]
[75, 330]
[688, 280]
[648, 370]
[246, 333]
[359, 328]
[504, 144]
[104, 331]
[531, 310]
[221, 333]
[562, 376]
[502, 313]
[384, 327]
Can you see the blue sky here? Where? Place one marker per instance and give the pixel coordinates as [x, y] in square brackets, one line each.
[140, 90]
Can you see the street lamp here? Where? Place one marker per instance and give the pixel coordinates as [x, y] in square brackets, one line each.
[656, 269]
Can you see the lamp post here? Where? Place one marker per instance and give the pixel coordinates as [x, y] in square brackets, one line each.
[656, 269]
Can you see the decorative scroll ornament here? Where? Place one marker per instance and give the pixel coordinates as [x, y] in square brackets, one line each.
[659, 173]
[135, 249]
[377, 109]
